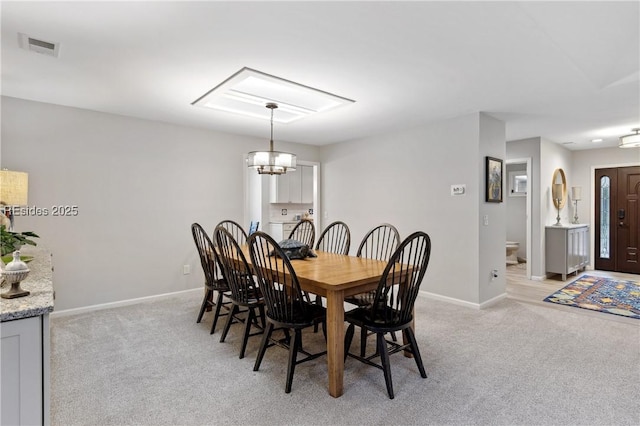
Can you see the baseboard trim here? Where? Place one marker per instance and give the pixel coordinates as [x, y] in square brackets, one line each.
[101, 306]
[538, 278]
[464, 303]
[493, 301]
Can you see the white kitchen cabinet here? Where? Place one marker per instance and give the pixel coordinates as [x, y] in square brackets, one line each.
[281, 230]
[275, 230]
[293, 186]
[287, 228]
[567, 249]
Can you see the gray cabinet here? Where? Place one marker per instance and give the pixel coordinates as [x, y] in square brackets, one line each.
[25, 345]
[24, 369]
[567, 249]
[293, 187]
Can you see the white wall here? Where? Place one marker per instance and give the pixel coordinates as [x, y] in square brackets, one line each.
[138, 186]
[404, 178]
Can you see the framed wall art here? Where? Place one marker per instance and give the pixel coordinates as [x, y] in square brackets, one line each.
[494, 180]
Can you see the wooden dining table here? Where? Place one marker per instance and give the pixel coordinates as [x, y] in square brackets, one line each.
[335, 276]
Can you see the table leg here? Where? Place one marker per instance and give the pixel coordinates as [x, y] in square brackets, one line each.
[335, 341]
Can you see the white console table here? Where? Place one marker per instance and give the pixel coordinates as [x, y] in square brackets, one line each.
[566, 249]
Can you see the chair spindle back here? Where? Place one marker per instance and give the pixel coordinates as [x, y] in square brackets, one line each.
[277, 279]
[379, 243]
[235, 229]
[336, 238]
[236, 268]
[208, 257]
[401, 279]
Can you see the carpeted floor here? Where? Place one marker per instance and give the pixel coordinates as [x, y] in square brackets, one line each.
[511, 364]
[618, 297]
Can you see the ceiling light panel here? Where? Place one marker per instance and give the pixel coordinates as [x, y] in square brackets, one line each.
[248, 91]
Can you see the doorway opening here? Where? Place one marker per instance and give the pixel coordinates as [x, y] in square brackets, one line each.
[259, 202]
[518, 184]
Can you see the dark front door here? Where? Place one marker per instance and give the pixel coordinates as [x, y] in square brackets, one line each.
[617, 219]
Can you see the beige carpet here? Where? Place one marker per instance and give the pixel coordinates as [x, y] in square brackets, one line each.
[512, 364]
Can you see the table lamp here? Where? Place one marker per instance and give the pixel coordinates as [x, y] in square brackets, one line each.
[556, 193]
[576, 195]
[14, 188]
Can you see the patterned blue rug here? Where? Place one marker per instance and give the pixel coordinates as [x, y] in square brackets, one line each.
[618, 297]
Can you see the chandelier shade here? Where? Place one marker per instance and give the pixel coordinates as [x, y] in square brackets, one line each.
[630, 141]
[271, 162]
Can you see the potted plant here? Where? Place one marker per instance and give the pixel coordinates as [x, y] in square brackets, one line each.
[11, 241]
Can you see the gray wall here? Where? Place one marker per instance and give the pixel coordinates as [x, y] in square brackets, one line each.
[404, 178]
[138, 186]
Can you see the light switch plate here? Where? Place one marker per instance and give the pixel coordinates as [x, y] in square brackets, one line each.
[459, 189]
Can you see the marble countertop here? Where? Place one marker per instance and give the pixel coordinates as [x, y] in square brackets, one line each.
[39, 283]
[283, 221]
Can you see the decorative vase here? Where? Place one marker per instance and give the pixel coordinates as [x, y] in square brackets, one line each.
[15, 272]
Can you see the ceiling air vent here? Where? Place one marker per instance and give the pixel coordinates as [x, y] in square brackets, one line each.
[38, 46]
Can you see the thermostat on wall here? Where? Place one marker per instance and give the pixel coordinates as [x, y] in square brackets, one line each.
[458, 189]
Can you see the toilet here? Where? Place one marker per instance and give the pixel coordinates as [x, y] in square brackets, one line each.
[512, 252]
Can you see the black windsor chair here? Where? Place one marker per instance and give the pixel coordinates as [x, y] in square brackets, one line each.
[236, 230]
[244, 291]
[214, 280]
[285, 303]
[305, 232]
[379, 244]
[335, 238]
[392, 309]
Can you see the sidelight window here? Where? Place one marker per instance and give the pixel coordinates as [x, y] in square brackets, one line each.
[605, 228]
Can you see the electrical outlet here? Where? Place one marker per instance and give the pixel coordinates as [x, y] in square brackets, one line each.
[485, 220]
[186, 269]
[494, 274]
[326, 215]
[283, 212]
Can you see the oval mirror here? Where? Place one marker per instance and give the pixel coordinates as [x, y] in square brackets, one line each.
[559, 189]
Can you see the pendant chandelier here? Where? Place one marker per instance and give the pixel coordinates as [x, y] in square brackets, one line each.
[630, 141]
[271, 162]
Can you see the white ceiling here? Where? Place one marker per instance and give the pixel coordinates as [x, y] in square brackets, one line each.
[565, 71]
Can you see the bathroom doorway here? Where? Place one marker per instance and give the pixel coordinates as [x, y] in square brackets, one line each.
[518, 202]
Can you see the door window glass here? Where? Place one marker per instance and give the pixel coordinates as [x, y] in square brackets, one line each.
[605, 185]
